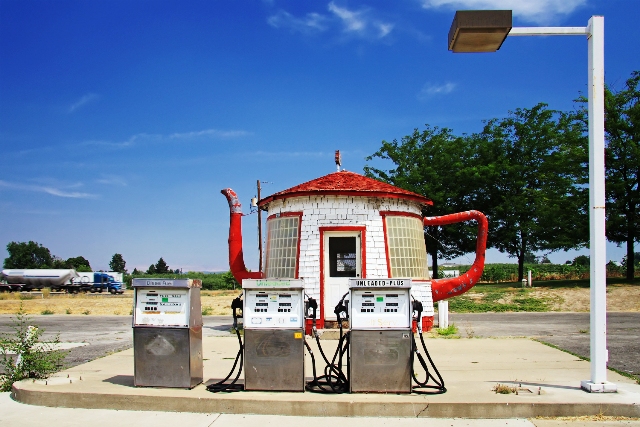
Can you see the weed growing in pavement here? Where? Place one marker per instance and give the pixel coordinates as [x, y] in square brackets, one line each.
[35, 359]
[504, 389]
[448, 331]
[206, 310]
[47, 311]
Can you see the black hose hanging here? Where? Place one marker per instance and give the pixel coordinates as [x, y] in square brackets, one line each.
[423, 387]
[333, 380]
[232, 386]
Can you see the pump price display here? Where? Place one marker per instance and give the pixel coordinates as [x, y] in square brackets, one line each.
[162, 308]
[383, 308]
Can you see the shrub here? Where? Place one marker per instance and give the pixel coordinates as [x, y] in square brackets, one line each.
[35, 359]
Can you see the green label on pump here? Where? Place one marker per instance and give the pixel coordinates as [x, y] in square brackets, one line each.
[165, 299]
[379, 299]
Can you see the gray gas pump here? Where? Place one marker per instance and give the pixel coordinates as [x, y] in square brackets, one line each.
[273, 315]
[380, 336]
[167, 333]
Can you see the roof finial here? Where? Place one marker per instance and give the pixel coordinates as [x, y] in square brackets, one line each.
[338, 160]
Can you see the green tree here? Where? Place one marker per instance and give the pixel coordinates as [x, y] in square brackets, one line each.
[535, 185]
[151, 269]
[28, 255]
[118, 263]
[622, 159]
[162, 267]
[583, 260]
[438, 165]
[80, 263]
[530, 258]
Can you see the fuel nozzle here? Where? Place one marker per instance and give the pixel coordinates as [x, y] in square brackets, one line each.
[341, 307]
[312, 305]
[236, 305]
[417, 309]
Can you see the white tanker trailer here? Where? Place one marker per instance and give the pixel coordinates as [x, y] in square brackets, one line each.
[38, 278]
[60, 280]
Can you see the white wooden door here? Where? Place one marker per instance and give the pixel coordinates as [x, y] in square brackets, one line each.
[342, 259]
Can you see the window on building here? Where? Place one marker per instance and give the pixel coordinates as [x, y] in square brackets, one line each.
[406, 247]
[282, 247]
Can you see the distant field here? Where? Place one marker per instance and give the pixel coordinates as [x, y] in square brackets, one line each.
[213, 303]
[548, 295]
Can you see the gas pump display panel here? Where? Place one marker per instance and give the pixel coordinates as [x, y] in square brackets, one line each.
[162, 307]
[380, 303]
[272, 304]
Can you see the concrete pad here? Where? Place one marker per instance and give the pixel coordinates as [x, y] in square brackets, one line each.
[16, 414]
[470, 368]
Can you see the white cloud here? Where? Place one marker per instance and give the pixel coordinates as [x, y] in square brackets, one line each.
[86, 99]
[430, 89]
[359, 23]
[537, 11]
[112, 180]
[157, 138]
[352, 21]
[311, 23]
[47, 189]
[213, 133]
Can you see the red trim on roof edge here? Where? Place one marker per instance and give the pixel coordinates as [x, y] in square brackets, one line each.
[346, 184]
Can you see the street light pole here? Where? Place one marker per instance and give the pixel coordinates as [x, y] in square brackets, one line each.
[259, 230]
[598, 297]
[485, 31]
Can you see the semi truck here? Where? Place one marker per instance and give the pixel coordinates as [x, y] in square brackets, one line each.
[100, 282]
[68, 280]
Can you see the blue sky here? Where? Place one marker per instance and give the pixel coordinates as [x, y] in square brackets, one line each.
[121, 121]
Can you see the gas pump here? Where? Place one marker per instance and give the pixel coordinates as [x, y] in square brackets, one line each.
[273, 315]
[167, 333]
[381, 345]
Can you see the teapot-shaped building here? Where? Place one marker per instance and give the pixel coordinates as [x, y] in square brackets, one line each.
[346, 225]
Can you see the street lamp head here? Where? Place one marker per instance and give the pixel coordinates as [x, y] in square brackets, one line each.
[479, 30]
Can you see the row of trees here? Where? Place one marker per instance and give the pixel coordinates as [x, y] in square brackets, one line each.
[32, 254]
[528, 173]
[159, 267]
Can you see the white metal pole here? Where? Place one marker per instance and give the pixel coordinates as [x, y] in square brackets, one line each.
[598, 253]
[443, 314]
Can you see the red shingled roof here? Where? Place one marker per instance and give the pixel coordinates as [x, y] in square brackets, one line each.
[346, 183]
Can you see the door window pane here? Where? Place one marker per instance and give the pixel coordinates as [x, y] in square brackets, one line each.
[342, 257]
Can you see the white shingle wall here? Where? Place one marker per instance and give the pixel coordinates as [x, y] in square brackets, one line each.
[327, 211]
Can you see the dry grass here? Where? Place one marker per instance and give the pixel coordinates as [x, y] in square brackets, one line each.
[219, 303]
[215, 303]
